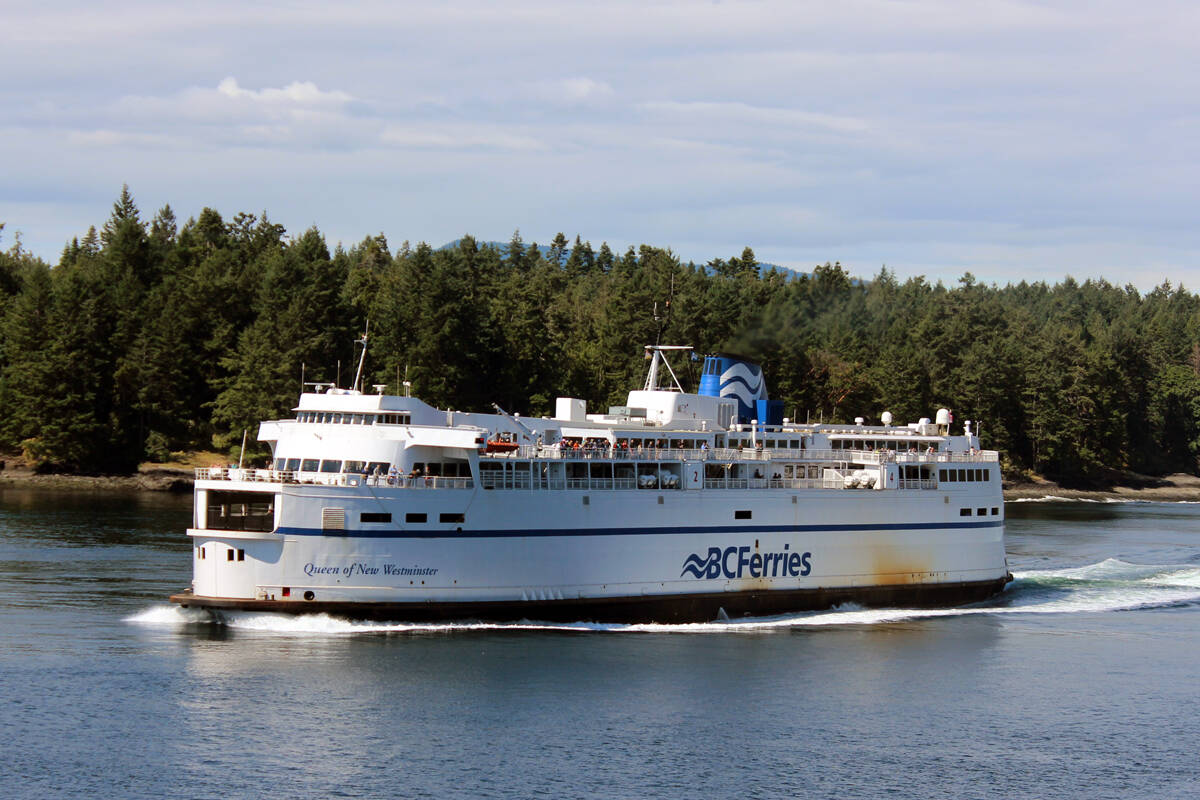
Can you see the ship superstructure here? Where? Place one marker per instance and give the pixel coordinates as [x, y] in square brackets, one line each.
[676, 506]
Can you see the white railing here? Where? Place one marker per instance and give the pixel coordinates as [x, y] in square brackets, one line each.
[330, 478]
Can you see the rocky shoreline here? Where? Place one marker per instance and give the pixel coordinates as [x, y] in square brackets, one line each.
[155, 478]
[147, 479]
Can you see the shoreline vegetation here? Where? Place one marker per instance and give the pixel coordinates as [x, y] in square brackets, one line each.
[149, 339]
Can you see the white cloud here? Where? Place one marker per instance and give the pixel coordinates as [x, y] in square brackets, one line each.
[297, 94]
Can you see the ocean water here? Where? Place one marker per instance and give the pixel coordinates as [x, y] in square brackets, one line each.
[1081, 680]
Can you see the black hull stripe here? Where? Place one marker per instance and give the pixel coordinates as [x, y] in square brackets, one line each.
[699, 607]
[452, 533]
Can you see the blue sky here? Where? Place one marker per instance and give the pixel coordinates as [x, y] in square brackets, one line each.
[1014, 140]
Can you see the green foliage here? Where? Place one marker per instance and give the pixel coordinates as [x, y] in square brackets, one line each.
[150, 338]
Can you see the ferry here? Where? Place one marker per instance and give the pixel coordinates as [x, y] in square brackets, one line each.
[674, 507]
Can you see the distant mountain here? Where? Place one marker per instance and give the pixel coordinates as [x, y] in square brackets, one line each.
[763, 266]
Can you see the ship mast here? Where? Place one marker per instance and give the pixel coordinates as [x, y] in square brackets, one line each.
[357, 385]
[654, 352]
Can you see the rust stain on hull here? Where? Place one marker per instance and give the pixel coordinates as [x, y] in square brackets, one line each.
[891, 567]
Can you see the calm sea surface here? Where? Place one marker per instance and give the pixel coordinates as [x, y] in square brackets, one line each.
[1082, 680]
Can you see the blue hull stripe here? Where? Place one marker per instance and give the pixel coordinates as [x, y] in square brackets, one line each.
[451, 533]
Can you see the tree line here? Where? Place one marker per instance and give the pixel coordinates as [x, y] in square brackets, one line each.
[149, 337]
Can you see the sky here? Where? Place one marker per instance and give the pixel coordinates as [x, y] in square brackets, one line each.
[1013, 140]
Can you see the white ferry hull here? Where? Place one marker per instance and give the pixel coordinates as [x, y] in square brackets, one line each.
[630, 555]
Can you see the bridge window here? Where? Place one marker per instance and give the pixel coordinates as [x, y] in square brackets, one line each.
[310, 465]
[330, 465]
[241, 511]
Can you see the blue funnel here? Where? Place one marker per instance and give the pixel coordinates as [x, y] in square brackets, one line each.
[735, 377]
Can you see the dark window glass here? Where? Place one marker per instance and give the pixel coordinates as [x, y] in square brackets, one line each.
[451, 517]
[241, 511]
[310, 465]
[414, 517]
[964, 512]
[375, 516]
[745, 514]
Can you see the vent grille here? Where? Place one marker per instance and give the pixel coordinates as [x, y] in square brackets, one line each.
[333, 519]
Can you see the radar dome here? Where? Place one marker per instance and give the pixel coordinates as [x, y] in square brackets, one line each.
[886, 418]
[944, 416]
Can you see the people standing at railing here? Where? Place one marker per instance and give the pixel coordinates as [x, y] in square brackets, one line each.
[393, 472]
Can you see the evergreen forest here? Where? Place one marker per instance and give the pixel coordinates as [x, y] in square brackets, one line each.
[150, 337]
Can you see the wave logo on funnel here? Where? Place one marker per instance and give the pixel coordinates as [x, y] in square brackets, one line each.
[745, 382]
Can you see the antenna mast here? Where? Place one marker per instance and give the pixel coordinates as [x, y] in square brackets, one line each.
[357, 386]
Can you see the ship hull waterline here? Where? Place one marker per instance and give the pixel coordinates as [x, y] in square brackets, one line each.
[673, 608]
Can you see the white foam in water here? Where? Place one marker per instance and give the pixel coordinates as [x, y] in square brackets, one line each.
[169, 616]
[1110, 585]
[1053, 498]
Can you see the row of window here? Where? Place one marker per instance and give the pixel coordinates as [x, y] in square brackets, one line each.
[979, 512]
[331, 465]
[412, 517]
[230, 554]
[736, 443]
[447, 469]
[344, 418]
[877, 444]
[964, 475]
